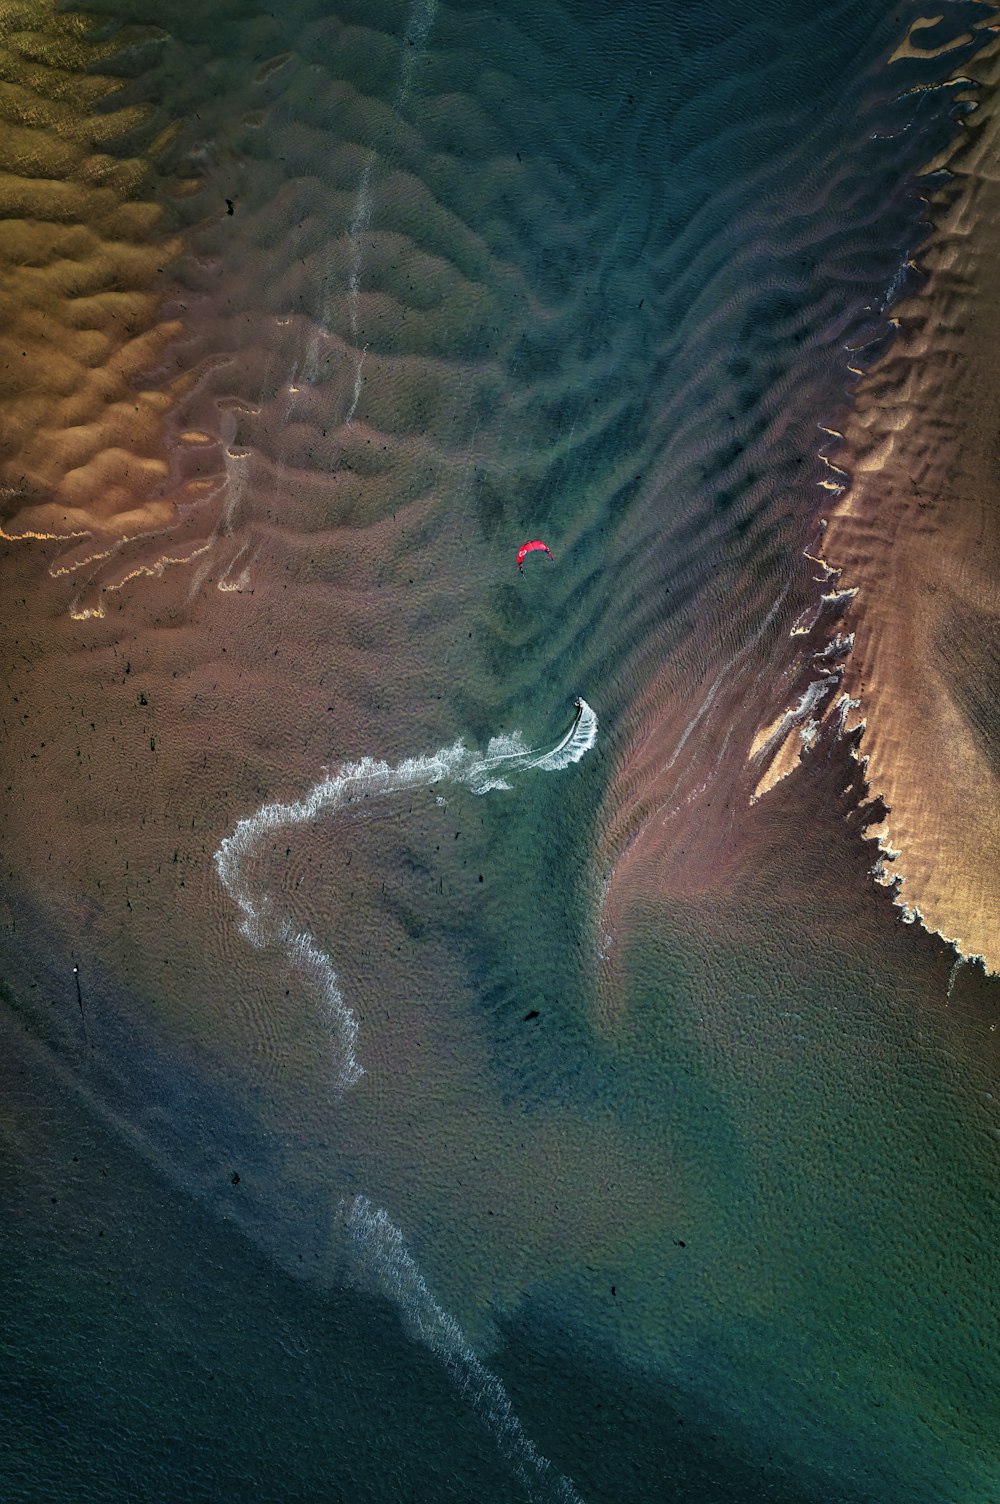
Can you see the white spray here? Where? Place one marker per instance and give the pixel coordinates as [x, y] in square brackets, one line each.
[351, 785]
[374, 1241]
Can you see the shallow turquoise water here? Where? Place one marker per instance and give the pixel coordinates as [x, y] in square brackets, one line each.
[590, 273]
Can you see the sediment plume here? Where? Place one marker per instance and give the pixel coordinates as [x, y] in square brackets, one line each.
[913, 545]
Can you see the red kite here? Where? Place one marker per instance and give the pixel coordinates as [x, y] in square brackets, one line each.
[530, 548]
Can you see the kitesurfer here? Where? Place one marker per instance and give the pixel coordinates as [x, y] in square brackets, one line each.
[535, 546]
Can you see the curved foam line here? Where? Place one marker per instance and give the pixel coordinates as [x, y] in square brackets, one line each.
[578, 740]
[316, 967]
[375, 1240]
[352, 784]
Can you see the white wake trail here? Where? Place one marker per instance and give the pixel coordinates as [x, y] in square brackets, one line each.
[418, 27]
[357, 230]
[376, 1243]
[264, 924]
[379, 1248]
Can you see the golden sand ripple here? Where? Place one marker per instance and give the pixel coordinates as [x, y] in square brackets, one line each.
[916, 536]
[914, 44]
[83, 450]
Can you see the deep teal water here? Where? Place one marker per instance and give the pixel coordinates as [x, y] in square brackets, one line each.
[609, 263]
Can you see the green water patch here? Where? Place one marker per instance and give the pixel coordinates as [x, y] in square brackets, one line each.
[604, 294]
[837, 1304]
[150, 1350]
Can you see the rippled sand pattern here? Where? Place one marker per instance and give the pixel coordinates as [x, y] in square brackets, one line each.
[710, 735]
[911, 552]
[83, 453]
[405, 285]
[918, 535]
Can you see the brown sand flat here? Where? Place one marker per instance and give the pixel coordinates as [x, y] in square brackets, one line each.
[916, 539]
[325, 620]
[898, 614]
[82, 246]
